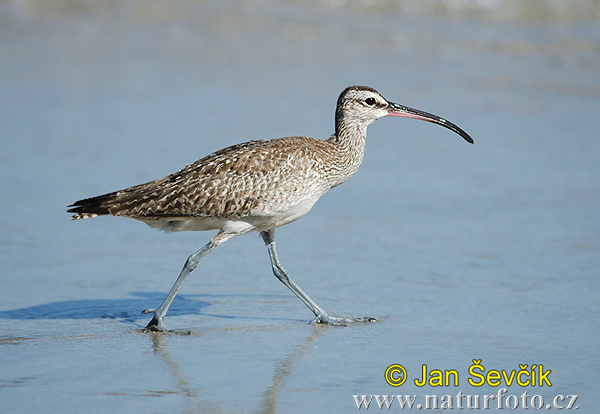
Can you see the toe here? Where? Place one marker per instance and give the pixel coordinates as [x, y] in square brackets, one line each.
[365, 319]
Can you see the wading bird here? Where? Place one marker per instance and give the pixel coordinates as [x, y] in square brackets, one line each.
[256, 186]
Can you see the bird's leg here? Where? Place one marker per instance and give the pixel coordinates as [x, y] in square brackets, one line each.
[320, 315]
[157, 323]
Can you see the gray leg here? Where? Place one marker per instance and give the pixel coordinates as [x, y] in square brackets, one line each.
[157, 323]
[320, 315]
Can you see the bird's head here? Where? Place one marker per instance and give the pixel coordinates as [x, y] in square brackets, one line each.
[361, 105]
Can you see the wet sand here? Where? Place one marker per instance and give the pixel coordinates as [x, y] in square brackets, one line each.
[487, 251]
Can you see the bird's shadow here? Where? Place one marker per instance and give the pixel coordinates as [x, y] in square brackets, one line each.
[127, 310]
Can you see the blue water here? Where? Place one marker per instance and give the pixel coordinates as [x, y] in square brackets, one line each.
[487, 251]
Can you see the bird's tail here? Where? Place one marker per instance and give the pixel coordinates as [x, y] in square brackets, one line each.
[91, 207]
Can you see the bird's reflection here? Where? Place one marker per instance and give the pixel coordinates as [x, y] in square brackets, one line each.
[283, 368]
[158, 345]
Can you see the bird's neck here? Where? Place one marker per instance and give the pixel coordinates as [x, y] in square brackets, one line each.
[350, 134]
[349, 144]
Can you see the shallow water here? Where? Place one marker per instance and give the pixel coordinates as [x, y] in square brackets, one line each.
[461, 252]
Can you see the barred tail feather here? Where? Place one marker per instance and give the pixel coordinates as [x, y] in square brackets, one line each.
[91, 207]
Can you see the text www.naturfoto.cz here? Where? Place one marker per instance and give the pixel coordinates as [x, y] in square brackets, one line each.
[466, 401]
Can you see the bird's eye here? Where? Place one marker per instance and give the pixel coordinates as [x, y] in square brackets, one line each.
[370, 101]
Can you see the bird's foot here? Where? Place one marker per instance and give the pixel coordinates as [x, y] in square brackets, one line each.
[331, 320]
[157, 324]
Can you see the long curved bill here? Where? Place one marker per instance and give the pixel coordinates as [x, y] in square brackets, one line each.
[404, 111]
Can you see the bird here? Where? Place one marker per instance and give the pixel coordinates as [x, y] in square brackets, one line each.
[256, 186]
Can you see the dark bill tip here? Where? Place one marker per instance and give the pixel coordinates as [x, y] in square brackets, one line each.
[406, 112]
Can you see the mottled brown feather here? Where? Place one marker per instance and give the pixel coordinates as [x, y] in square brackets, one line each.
[256, 185]
[236, 181]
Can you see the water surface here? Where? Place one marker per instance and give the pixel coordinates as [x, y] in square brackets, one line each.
[461, 252]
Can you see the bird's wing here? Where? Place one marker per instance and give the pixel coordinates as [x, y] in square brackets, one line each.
[233, 182]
